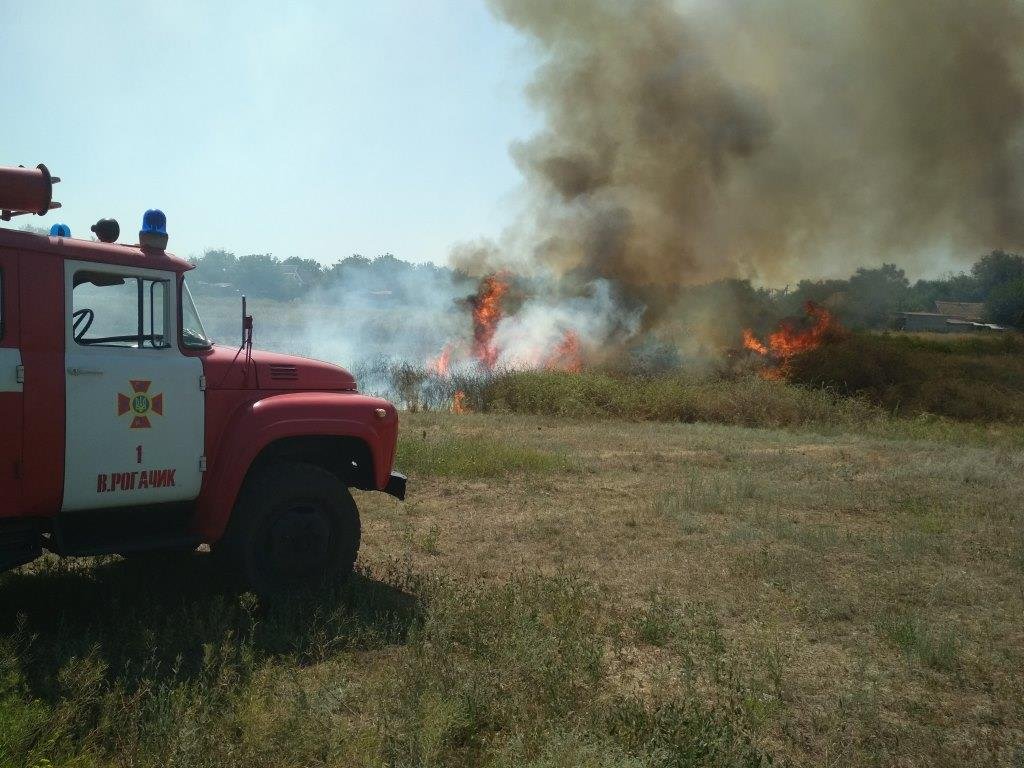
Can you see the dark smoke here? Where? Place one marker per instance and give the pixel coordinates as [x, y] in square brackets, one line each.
[766, 139]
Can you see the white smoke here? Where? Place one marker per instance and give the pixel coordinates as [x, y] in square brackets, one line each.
[404, 313]
[528, 338]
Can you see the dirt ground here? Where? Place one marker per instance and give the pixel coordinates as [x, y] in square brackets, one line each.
[864, 596]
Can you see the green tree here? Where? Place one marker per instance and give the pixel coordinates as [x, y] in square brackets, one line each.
[1005, 304]
[309, 271]
[262, 274]
[830, 293]
[874, 295]
[356, 264]
[954, 287]
[216, 266]
[997, 269]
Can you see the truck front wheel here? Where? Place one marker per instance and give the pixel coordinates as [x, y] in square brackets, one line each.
[295, 525]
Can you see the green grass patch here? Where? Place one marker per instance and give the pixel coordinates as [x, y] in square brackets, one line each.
[747, 400]
[685, 509]
[691, 628]
[447, 454]
[933, 647]
[125, 665]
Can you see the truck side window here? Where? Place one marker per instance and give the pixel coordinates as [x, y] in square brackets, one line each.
[1, 305]
[119, 311]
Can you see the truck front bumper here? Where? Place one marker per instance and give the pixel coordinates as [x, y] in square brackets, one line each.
[396, 486]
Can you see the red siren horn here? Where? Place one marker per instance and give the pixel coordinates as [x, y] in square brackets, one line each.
[26, 190]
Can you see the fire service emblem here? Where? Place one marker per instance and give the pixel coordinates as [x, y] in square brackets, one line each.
[140, 404]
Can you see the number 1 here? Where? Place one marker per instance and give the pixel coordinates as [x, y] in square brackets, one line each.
[138, 454]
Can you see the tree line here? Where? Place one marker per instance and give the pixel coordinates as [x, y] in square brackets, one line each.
[870, 297]
[867, 299]
[264, 275]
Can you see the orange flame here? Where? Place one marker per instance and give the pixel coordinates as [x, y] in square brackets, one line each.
[487, 313]
[459, 403]
[442, 362]
[567, 355]
[750, 341]
[791, 340]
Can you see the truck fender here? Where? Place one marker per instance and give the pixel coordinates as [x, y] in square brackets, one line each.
[255, 426]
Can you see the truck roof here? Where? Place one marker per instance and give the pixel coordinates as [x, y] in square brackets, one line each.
[86, 250]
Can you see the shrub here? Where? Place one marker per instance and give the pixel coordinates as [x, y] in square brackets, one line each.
[970, 378]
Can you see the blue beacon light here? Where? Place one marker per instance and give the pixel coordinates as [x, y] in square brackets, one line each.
[60, 230]
[154, 229]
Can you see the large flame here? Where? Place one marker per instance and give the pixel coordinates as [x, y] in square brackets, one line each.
[751, 342]
[792, 339]
[487, 313]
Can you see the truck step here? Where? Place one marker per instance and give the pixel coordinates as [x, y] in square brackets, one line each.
[19, 543]
[127, 529]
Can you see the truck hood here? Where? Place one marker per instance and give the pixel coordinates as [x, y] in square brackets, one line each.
[226, 368]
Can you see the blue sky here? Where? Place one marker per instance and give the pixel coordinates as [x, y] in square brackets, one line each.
[312, 129]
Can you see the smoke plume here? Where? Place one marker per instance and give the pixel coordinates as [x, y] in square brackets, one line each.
[693, 141]
[764, 139]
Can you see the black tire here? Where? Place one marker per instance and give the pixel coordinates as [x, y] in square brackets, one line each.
[294, 526]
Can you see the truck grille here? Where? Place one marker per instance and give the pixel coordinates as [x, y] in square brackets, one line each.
[284, 372]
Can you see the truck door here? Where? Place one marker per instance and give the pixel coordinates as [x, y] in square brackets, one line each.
[135, 410]
[10, 389]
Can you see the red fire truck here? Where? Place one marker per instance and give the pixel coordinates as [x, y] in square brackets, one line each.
[124, 428]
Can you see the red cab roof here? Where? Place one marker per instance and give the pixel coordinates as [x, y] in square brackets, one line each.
[85, 250]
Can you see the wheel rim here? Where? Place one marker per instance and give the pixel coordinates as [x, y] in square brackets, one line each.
[298, 543]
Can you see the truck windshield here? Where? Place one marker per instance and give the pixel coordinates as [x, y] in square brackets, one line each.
[192, 332]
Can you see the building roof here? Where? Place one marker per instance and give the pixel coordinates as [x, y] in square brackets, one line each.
[961, 310]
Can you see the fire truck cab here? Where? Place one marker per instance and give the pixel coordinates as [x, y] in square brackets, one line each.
[124, 428]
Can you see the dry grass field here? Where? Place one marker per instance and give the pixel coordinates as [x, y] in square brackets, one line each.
[862, 597]
[561, 592]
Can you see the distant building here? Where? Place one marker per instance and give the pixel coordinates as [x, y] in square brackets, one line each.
[948, 317]
[922, 321]
[961, 310]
